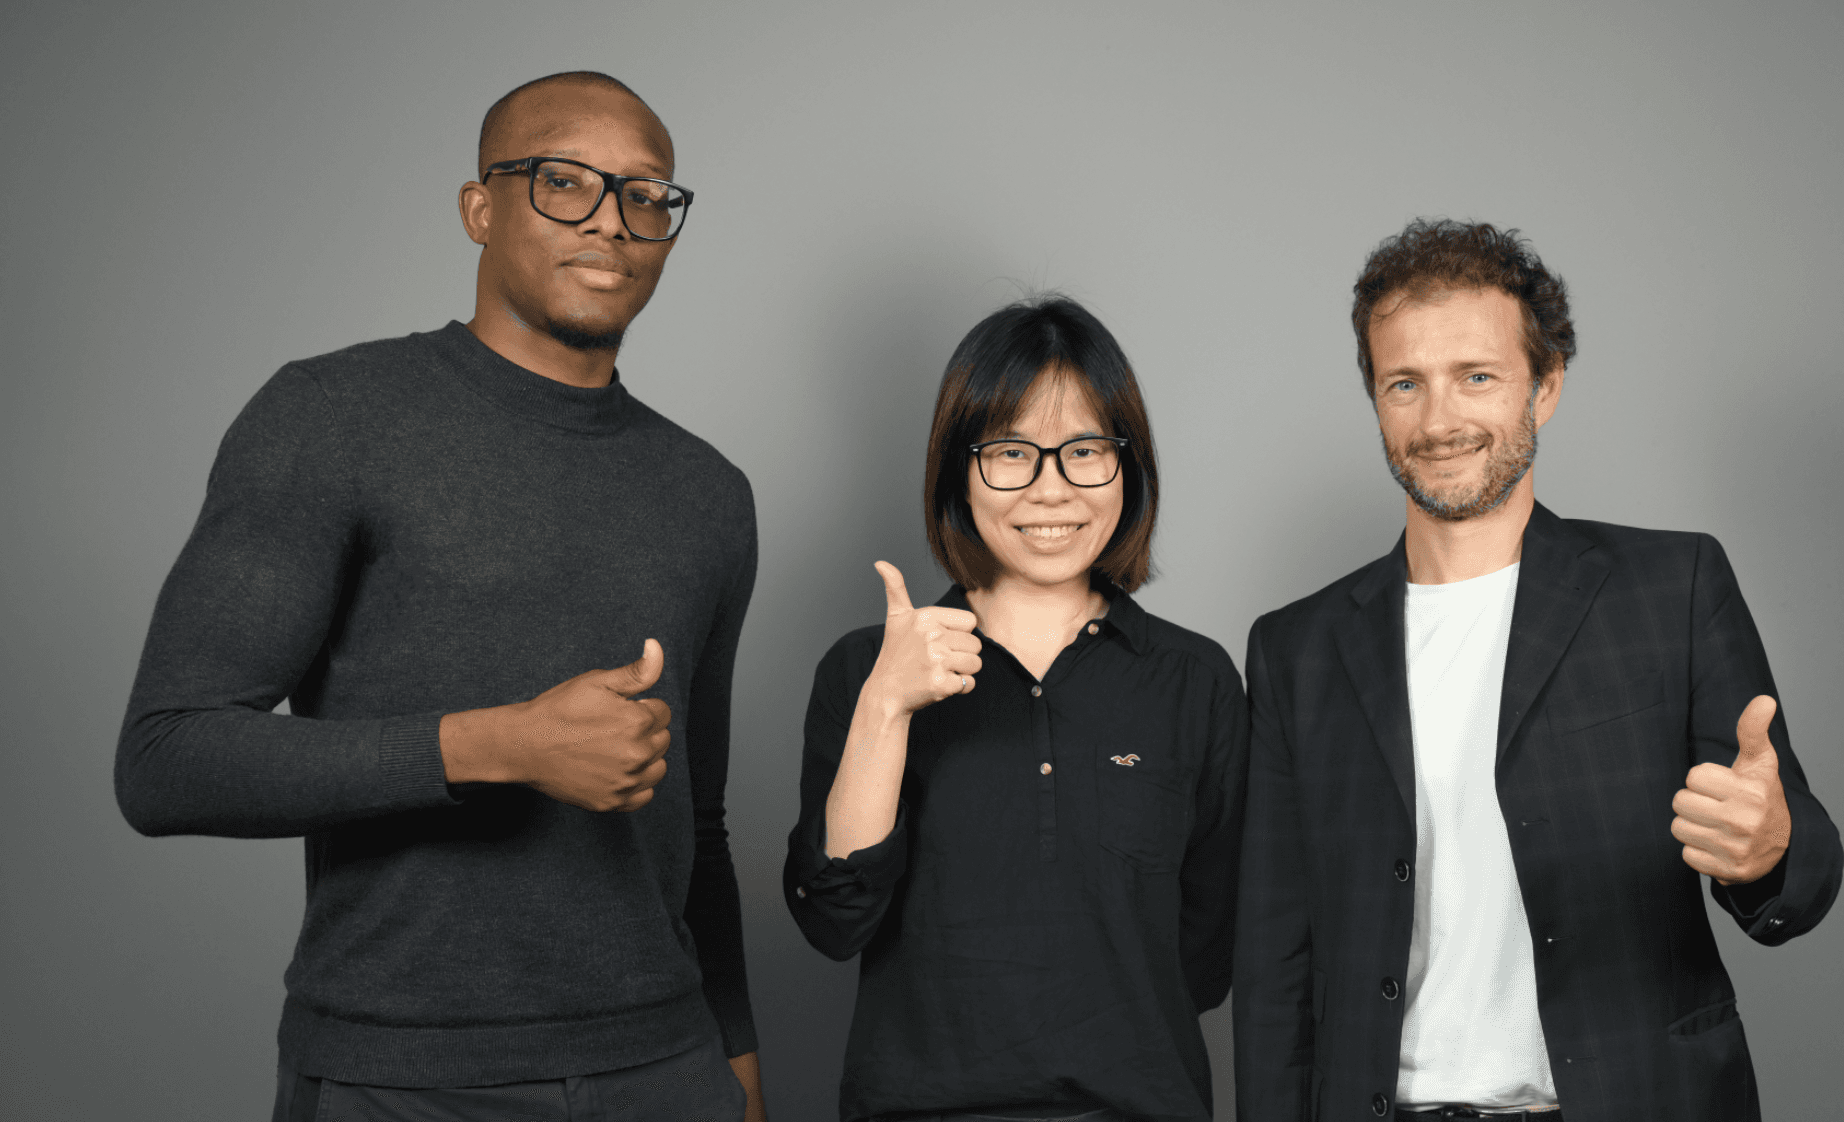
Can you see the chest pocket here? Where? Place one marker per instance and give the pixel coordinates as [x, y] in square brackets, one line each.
[1145, 810]
[1606, 703]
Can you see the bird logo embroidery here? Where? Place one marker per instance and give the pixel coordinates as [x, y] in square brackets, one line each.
[1128, 760]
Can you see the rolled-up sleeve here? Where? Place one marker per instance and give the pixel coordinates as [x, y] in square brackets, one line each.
[838, 902]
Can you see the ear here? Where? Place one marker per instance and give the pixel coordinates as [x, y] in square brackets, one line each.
[1549, 395]
[476, 211]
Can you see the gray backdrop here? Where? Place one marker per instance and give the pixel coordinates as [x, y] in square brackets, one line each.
[196, 193]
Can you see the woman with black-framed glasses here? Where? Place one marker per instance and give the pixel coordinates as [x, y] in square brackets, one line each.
[1022, 804]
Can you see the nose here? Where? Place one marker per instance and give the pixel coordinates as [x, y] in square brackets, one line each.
[1440, 413]
[605, 219]
[1051, 485]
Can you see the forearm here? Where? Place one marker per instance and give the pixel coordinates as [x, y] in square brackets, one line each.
[239, 772]
[748, 1069]
[861, 807]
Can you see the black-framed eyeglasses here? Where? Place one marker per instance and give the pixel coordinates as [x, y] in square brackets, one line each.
[569, 191]
[1013, 465]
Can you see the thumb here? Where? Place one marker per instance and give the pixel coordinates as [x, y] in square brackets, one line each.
[1751, 733]
[640, 674]
[896, 593]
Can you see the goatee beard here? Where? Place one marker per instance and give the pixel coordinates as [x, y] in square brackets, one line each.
[1504, 467]
[577, 339]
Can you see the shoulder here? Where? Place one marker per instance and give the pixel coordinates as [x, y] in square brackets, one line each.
[1318, 610]
[846, 664]
[696, 460]
[1163, 635]
[1655, 564]
[855, 647]
[370, 366]
[1622, 542]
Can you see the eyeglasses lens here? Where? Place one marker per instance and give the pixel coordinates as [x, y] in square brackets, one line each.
[1008, 465]
[652, 208]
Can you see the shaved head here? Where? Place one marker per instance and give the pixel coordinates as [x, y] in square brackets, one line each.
[503, 128]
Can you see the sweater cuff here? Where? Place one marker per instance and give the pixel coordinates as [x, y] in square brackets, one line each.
[410, 769]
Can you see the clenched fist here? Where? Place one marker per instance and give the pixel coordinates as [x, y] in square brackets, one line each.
[585, 741]
[1733, 821]
[927, 655]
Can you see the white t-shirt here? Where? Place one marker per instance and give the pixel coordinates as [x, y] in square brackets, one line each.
[1470, 1033]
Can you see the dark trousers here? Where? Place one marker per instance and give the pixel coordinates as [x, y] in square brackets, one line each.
[694, 1086]
[1047, 1114]
[1466, 1114]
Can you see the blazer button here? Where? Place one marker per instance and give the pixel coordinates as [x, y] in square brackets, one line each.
[1402, 870]
[1037, 691]
[1391, 991]
[800, 891]
[1379, 1104]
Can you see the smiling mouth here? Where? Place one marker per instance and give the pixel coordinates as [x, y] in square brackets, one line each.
[1435, 458]
[1050, 533]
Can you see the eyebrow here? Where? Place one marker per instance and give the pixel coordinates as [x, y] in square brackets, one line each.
[1016, 435]
[653, 168]
[1458, 367]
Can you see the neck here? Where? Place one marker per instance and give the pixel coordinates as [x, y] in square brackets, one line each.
[534, 349]
[1441, 552]
[1012, 608]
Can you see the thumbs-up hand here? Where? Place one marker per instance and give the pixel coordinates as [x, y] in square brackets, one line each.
[585, 741]
[1733, 821]
[927, 655]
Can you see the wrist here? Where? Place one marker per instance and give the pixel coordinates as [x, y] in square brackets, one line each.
[476, 746]
[886, 706]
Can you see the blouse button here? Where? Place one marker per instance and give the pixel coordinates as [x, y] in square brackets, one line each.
[1037, 691]
[1043, 769]
[1094, 629]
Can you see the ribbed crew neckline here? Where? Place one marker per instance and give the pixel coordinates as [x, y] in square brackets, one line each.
[525, 393]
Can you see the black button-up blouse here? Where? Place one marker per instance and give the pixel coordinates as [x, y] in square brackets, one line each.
[1056, 902]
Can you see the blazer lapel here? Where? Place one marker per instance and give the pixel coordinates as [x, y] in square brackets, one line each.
[1371, 647]
[1558, 579]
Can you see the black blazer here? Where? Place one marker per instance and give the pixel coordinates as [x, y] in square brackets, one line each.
[1631, 657]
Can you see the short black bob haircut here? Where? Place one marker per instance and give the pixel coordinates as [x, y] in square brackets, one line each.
[982, 393]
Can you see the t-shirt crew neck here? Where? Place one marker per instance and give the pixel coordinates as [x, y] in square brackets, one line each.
[1470, 1031]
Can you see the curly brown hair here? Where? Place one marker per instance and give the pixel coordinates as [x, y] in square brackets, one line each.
[1433, 256]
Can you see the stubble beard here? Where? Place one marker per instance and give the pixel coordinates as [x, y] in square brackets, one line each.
[577, 339]
[1505, 466]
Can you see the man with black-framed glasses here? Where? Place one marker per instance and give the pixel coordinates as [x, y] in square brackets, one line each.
[520, 899]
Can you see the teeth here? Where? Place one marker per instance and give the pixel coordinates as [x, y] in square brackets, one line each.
[1047, 531]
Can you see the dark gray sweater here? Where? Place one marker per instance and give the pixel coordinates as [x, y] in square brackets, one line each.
[417, 526]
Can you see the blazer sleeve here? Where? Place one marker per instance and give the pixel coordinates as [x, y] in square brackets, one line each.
[838, 902]
[1728, 669]
[1272, 1002]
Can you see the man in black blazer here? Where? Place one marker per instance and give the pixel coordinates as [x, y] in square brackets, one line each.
[1488, 769]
